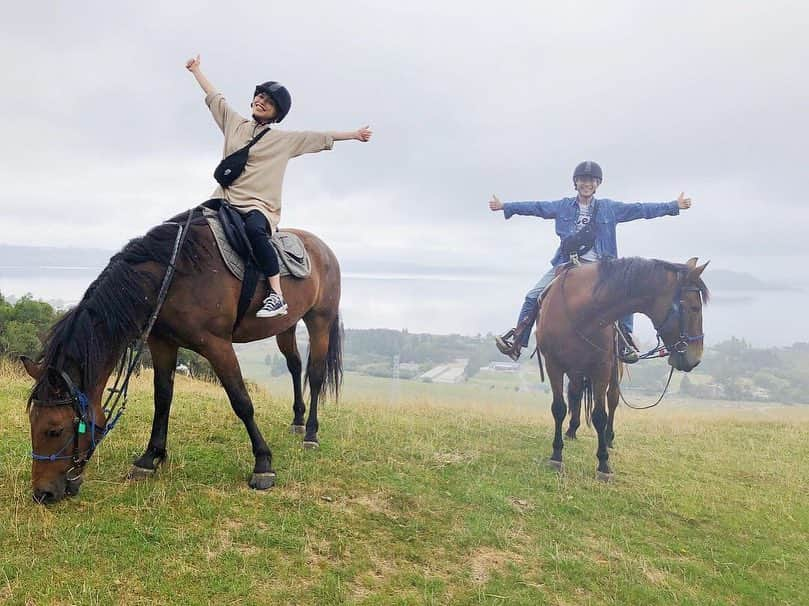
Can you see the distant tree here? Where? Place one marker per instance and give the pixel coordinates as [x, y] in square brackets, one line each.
[24, 325]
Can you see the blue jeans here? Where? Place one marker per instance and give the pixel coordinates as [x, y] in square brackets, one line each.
[530, 307]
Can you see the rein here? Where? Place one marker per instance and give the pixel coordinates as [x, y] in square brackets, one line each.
[660, 351]
[115, 403]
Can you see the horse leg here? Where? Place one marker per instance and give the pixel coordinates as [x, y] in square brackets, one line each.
[164, 362]
[603, 472]
[612, 405]
[226, 366]
[559, 410]
[575, 389]
[318, 327]
[289, 347]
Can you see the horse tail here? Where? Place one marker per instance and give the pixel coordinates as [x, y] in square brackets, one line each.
[333, 378]
[588, 400]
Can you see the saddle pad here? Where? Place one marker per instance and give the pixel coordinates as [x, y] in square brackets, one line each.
[293, 258]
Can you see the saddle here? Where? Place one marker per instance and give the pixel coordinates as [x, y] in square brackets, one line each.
[231, 239]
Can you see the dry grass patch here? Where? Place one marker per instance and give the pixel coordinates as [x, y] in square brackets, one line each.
[484, 562]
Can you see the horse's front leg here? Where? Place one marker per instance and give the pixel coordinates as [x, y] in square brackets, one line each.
[289, 347]
[559, 410]
[164, 362]
[220, 354]
[603, 472]
[575, 388]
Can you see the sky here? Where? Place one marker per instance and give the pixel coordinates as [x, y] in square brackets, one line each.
[104, 133]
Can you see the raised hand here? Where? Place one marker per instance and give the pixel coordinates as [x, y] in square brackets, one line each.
[683, 202]
[363, 134]
[192, 64]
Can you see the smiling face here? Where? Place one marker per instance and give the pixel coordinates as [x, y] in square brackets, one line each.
[586, 186]
[264, 110]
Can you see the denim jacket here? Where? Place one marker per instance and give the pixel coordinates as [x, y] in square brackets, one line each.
[608, 214]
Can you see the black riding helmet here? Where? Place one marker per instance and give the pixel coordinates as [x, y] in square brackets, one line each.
[280, 97]
[588, 169]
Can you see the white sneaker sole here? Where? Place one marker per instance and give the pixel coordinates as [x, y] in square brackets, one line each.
[282, 311]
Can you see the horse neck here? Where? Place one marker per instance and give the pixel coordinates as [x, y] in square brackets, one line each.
[644, 301]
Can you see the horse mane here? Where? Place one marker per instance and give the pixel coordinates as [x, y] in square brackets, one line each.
[635, 277]
[115, 307]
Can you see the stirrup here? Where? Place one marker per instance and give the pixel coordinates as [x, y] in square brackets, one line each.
[629, 355]
[503, 343]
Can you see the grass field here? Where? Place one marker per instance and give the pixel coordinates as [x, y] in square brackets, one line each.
[429, 495]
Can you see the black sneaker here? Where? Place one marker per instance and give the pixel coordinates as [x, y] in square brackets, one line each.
[629, 355]
[274, 305]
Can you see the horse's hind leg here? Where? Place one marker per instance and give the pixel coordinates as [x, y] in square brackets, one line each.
[289, 347]
[318, 326]
[612, 405]
[575, 388]
[223, 359]
[603, 472]
[559, 410]
[164, 361]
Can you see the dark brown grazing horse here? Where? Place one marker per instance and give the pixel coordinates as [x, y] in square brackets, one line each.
[199, 313]
[576, 336]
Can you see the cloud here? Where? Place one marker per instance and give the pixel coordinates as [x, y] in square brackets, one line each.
[105, 133]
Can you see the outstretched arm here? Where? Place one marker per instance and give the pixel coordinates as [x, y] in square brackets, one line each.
[650, 210]
[193, 65]
[361, 134]
[546, 210]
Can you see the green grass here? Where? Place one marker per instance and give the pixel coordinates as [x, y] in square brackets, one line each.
[436, 496]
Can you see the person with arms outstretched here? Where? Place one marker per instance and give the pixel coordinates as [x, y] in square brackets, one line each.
[256, 191]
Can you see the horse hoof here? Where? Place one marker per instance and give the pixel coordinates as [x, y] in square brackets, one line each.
[311, 444]
[301, 429]
[604, 477]
[262, 481]
[556, 465]
[137, 474]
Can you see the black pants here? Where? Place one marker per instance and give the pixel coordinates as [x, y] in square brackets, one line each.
[258, 232]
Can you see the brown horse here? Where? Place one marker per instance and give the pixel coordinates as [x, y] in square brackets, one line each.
[199, 313]
[575, 334]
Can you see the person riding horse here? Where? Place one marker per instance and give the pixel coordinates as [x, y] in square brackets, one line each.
[256, 192]
[572, 216]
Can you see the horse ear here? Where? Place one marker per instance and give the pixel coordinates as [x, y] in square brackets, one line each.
[32, 368]
[696, 272]
[692, 263]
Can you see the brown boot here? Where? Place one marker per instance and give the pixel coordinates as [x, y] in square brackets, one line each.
[513, 348]
[508, 348]
[504, 342]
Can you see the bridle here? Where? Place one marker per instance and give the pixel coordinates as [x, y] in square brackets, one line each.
[84, 422]
[677, 309]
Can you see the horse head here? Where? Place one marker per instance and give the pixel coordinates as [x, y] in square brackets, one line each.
[66, 426]
[677, 315]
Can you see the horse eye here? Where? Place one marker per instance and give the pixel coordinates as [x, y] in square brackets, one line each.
[54, 433]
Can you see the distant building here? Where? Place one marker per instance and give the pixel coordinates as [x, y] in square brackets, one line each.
[504, 366]
[446, 373]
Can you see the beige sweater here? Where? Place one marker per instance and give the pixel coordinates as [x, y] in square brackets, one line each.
[259, 186]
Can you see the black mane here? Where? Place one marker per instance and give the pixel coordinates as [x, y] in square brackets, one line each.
[116, 306]
[635, 277]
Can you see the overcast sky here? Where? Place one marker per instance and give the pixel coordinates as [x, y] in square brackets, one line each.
[104, 133]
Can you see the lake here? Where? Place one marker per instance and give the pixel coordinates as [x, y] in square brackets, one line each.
[469, 305]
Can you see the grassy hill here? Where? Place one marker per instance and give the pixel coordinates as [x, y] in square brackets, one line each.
[434, 496]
